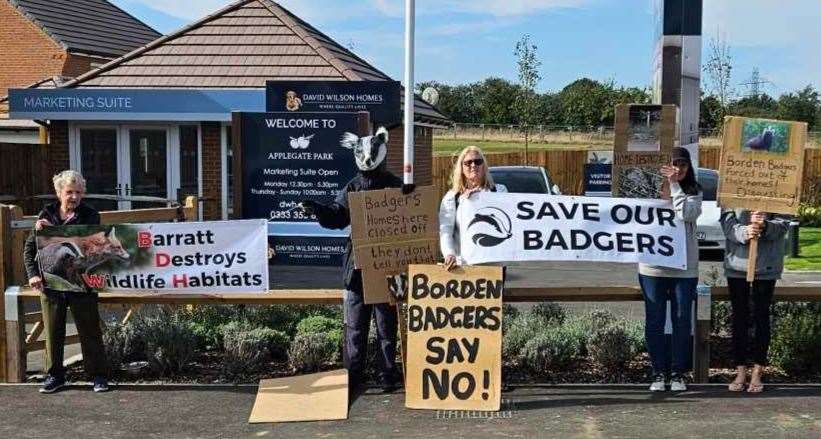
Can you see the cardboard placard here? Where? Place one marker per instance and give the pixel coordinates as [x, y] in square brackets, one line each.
[389, 231]
[644, 138]
[316, 397]
[454, 338]
[762, 165]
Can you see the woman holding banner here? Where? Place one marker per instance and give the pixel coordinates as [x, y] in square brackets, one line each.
[70, 210]
[470, 175]
[660, 284]
[740, 227]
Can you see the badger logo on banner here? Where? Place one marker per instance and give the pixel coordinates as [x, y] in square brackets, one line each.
[490, 227]
[536, 227]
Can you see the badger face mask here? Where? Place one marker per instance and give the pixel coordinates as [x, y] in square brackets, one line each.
[369, 151]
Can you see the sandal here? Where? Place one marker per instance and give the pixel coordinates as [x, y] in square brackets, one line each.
[736, 387]
[755, 388]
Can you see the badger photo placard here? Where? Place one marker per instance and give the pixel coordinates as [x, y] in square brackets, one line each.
[762, 164]
[644, 139]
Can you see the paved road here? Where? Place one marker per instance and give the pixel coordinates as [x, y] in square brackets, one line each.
[554, 411]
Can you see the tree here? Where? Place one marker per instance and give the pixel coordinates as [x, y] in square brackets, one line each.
[719, 68]
[496, 97]
[761, 105]
[582, 102]
[528, 66]
[802, 106]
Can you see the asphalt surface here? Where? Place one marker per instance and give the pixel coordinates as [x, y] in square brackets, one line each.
[574, 411]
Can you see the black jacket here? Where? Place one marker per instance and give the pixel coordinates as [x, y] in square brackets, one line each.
[337, 215]
[83, 215]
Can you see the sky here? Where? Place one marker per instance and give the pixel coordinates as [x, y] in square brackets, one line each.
[461, 41]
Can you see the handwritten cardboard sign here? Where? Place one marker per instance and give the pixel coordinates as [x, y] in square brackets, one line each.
[454, 338]
[644, 138]
[762, 163]
[389, 231]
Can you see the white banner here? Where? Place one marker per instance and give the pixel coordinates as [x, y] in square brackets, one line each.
[197, 257]
[507, 227]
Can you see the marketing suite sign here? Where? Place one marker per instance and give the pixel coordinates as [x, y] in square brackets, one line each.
[531, 227]
[379, 98]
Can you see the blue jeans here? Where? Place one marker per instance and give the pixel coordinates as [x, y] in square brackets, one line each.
[681, 292]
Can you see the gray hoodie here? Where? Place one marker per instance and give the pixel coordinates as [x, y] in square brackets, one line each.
[770, 261]
[688, 209]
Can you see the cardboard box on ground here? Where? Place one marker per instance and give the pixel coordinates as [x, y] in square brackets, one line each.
[389, 231]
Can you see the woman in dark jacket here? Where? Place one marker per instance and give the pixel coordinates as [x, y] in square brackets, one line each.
[70, 210]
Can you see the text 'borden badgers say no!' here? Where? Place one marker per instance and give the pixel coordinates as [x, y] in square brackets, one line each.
[535, 227]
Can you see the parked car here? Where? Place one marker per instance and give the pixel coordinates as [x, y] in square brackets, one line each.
[524, 179]
[708, 229]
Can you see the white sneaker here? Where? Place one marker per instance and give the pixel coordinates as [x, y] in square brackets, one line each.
[658, 384]
[677, 384]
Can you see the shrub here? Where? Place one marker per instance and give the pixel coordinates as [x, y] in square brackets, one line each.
[809, 215]
[205, 322]
[169, 341]
[552, 313]
[635, 335]
[721, 314]
[309, 352]
[319, 324]
[521, 329]
[550, 349]
[509, 314]
[286, 317]
[610, 347]
[597, 319]
[796, 340]
[248, 349]
[119, 343]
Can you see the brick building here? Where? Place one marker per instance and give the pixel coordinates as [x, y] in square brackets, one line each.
[63, 38]
[156, 121]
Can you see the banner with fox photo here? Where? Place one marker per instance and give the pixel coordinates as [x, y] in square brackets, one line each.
[182, 258]
[507, 227]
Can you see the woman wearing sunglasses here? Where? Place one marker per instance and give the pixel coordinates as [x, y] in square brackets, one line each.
[470, 175]
[660, 284]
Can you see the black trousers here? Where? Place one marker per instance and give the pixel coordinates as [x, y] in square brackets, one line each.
[86, 318]
[751, 310]
[358, 320]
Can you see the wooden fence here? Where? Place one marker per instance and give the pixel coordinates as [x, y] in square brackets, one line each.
[566, 167]
[25, 173]
[15, 340]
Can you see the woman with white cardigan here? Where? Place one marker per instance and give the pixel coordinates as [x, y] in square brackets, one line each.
[470, 175]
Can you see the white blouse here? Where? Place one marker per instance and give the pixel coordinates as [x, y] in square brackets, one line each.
[449, 224]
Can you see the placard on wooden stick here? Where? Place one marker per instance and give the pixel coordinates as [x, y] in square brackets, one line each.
[389, 231]
[762, 165]
[454, 338]
[644, 139]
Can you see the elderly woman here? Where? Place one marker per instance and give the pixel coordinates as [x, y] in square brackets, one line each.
[69, 210]
[470, 175]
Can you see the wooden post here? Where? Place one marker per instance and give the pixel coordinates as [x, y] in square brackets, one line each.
[238, 164]
[701, 338]
[751, 260]
[5, 278]
[15, 336]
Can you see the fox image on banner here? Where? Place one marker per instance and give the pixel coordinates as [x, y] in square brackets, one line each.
[222, 256]
[536, 227]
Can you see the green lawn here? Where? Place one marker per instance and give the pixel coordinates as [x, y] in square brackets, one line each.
[449, 146]
[810, 245]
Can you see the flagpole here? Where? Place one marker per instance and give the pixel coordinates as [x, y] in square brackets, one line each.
[407, 169]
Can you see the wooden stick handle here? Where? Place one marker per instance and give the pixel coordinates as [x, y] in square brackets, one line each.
[751, 259]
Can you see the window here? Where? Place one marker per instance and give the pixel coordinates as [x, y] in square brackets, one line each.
[189, 162]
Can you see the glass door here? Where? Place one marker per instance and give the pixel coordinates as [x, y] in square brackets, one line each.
[99, 164]
[147, 150]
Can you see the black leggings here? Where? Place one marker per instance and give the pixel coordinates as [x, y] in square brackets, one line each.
[760, 299]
